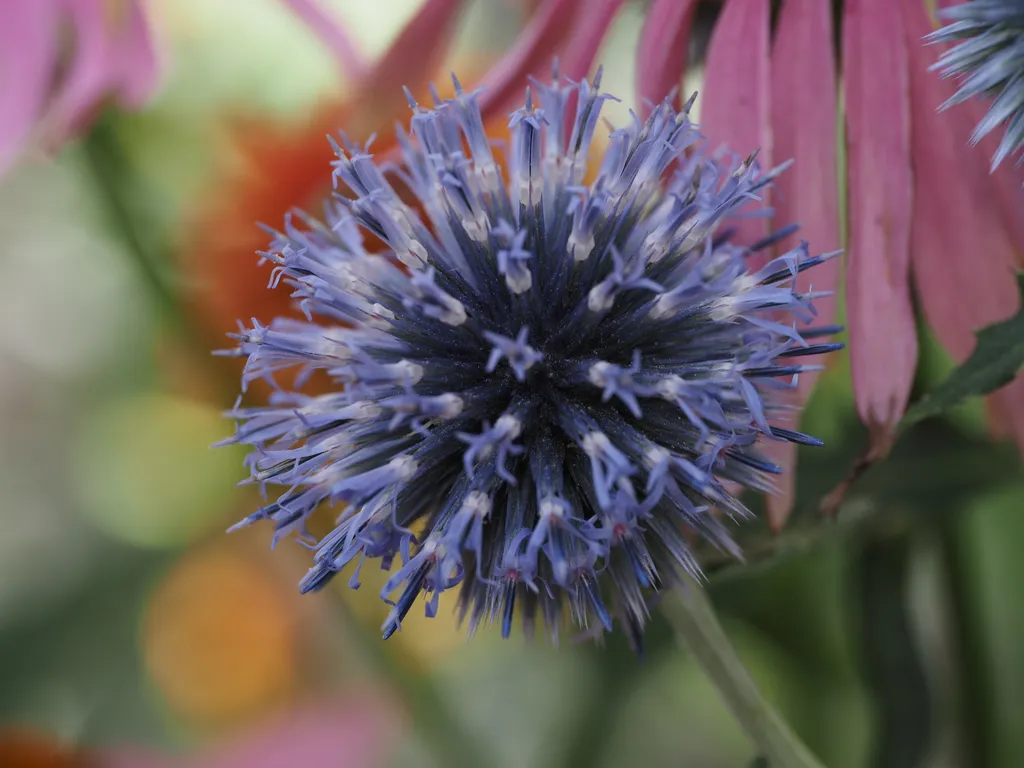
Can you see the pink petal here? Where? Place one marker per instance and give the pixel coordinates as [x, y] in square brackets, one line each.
[661, 56]
[28, 55]
[587, 36]
[412, 61]
[351, 735]
[138, 60]
[883, 341]
[804, 120]
[531, 54]
[1006, 412]
[963, 255]
[332, 34]
[734, 108]
[111, 56]
[90, 74]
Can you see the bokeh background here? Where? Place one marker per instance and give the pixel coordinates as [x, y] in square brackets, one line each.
[134, 632]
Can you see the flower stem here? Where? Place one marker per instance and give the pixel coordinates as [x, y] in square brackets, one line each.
[118, 189]
[690, 612]
[112, 176]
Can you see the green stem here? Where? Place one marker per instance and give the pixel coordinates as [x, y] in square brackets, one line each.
[892, 666]
[973, 682]
[690, 612]
[110, 173]
[117, 186]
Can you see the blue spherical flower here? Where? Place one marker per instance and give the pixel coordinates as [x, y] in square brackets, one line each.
[988, 61]
[545, 388]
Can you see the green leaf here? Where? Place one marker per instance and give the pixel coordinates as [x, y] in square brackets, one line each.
[995, 361]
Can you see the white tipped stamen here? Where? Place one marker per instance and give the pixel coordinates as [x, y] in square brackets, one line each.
[409, 371]
[364, 409]
[665, 304]
[509, 426]
[598, 373]
[551, 507]
[519, 281]
[600, 298]
[455, 313]
[655, 455]
[451, 405]
[596, 443]
[380, 310]
[725, 308]
[477, 503]
[404, 467]
[580, 248]
[670, 388]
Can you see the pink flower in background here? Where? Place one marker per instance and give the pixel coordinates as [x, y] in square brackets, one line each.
[60, 59]
[350, 734]
[923, 212]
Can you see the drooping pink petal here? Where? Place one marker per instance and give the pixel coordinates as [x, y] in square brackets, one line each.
[735, 104]
[963, 255]
[586, 37]
[113, 56]
[137, 57]
[661, 52]
[883, 341]
[89, 73]
[804, 119]
[1008, 179]
[531, 54]
[333, 35]
[411, 61]
[28, 49]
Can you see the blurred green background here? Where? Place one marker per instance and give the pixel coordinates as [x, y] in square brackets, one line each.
[130, 624]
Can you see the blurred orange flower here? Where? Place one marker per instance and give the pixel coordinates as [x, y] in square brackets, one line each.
[27, 748]
[220, 638]
[271, 167]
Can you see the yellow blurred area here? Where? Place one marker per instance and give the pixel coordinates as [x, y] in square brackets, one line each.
[220, 638]
[423, 643]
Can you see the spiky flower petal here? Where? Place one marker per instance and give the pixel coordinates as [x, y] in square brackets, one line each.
[546, 387]
[988, 61]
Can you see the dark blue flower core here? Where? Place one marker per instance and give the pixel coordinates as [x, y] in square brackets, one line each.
[545, 386]
[988, 62]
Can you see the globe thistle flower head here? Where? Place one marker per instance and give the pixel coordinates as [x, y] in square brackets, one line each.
[546, 387]
[988, 61]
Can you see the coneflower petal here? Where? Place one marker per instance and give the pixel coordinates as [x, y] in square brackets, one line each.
[530, 55]
[963, 265]
[28, 45]
[883, 340]
[410, 62]
[804, 121]
[735, 110]
[344, 49]
[586, 37]
[662, 50]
